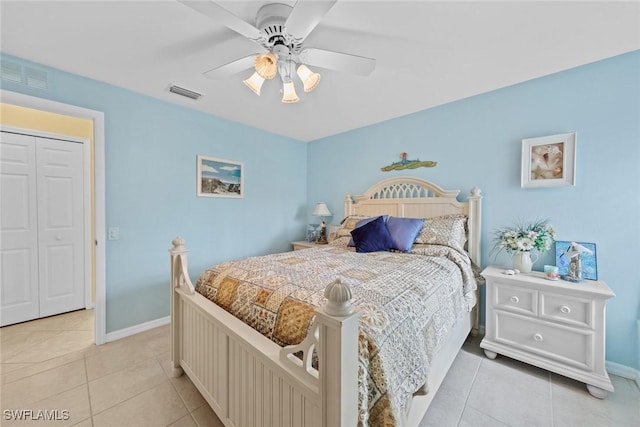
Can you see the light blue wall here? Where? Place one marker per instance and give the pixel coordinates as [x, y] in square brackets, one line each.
[477, 142]
[150, 149]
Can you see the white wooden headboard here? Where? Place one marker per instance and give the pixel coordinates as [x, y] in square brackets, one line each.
[410, 197]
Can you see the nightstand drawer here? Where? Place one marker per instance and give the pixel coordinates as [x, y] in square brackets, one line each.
[566, 345]
[566, 309]
[517, 299]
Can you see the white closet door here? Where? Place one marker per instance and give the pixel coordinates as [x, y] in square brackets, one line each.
[60, 225]
[18, 229]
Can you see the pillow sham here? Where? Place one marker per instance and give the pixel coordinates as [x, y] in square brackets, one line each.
[364, 221]
[448, 230]
[348, 224]
[404, 231]
[341, 242]
[372, 236]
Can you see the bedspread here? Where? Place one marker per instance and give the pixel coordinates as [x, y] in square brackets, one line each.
[408, 301]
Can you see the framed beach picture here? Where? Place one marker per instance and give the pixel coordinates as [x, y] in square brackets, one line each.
[587, 258]
[549, 161]
[219, 177]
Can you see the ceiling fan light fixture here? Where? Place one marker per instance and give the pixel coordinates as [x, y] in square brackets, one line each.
[308, 77]
[289, 94]
[254, 82]
[265, 65]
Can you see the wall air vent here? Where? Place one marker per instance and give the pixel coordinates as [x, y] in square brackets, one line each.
[31, 77]
[11, 72]
[36, 79]
[184, 92]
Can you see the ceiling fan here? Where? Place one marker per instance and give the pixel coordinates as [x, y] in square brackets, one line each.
[280, 30]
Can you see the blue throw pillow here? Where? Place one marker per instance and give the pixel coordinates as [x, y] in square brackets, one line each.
[404, 231]
[372, 237]
[363, 222]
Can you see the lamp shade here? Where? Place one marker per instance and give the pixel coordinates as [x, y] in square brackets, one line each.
[289, 94]
[321, 209]
[265, 65]
[254, 82]
[308, 77]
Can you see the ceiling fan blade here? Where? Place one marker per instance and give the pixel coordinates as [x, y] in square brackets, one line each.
[224, 17]
[304, 17]
[354, 64]
[231, 68]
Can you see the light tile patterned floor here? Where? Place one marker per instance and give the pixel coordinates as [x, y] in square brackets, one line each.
[51, 364]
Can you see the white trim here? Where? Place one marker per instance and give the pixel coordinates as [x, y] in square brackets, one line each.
[28, 101]
[42, 134]
[623, 371]
[142, 327]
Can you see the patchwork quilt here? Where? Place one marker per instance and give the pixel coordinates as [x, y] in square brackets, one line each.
[408, 301]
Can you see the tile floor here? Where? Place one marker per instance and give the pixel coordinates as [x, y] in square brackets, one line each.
[51, 364]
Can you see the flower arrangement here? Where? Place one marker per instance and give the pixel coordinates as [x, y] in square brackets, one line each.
[525, 237]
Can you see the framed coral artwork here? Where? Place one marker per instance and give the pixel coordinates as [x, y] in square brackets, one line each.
[549, 161]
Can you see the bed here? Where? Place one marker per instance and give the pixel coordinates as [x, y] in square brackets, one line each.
[321, 372]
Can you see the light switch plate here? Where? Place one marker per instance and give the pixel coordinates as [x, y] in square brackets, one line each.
[114, 233]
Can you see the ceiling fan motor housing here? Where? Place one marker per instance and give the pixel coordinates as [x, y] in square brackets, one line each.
[270, 19]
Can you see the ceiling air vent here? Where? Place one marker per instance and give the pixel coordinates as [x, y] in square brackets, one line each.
[184, 92]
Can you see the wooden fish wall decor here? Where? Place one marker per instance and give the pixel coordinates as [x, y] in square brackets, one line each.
[404, 163]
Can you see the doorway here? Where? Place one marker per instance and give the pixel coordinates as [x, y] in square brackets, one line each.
[98, 188]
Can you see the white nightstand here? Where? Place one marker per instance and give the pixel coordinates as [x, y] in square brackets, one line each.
[303, 244]
[555, 325]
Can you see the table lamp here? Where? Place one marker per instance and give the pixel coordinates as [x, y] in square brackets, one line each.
[322, 210]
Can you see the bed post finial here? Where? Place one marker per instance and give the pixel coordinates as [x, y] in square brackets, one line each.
[178, 244]
[338, 296]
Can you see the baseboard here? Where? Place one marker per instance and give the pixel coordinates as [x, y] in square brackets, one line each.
[623, 371]
[132, 330]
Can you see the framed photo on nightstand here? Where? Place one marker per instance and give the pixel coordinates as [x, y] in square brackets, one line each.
[588, 259]
[313, 231]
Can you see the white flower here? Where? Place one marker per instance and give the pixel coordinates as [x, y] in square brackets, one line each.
[525, 244]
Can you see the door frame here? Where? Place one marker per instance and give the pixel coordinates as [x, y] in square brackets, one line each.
[97, 117]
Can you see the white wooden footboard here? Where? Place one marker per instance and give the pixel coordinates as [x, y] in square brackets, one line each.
[249, 380]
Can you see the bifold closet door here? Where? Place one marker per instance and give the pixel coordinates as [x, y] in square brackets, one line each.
[19, 297]
[60, 225]
[42, 227]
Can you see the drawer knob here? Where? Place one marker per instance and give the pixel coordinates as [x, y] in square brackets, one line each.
[538, 337]
[515, 299]
[565, 309]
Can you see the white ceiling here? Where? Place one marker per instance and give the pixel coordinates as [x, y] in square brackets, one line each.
[428, 53]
